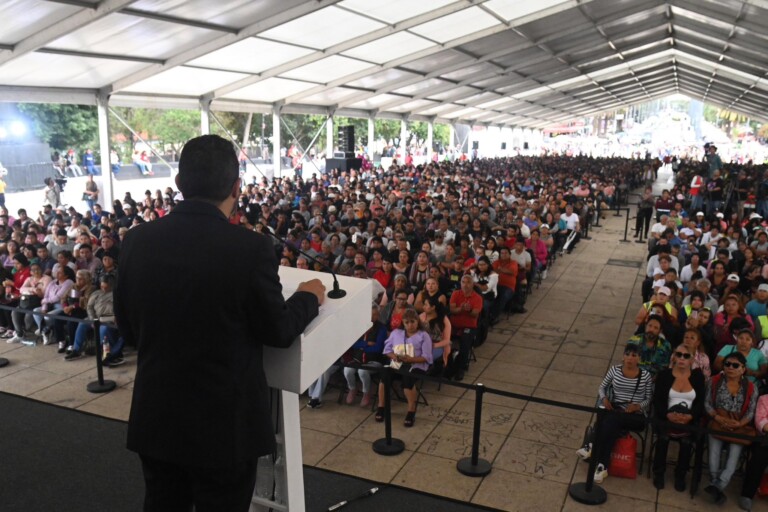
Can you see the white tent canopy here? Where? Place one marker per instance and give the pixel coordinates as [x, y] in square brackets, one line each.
[490, 62]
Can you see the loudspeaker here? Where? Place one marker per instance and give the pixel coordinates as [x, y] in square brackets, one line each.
[525, 145]
[475, 144]
[503, 145]
[346, 140]
[344, 164]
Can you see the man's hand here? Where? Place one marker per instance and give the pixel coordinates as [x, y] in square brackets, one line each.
[314, 286]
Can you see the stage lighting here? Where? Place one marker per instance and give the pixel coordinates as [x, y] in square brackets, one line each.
[18, 129]
[3, 133]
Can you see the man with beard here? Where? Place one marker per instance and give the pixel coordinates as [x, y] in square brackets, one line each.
[655, 350]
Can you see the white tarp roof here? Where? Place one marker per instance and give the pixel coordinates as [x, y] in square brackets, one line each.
[501, 62]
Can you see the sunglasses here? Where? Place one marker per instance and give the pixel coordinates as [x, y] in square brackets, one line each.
[735, 366]
[684, 355]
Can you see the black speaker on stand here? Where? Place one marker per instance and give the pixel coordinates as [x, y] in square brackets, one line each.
[345, 139]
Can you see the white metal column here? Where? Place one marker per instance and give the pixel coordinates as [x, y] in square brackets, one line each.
[102, 107]
[371, 127]
[277, 168]
[205, 117]
[329, 137]
[403, 135]
[430, 134]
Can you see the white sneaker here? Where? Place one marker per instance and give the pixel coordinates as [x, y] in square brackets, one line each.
[15, 339]
[543, 274]
[38, 332]
[585, 451]
[47, 340]
[600, 474]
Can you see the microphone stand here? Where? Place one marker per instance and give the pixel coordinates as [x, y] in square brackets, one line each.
[337, 292]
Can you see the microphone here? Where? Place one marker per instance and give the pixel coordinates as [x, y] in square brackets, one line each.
[369, 492]
[337, 292]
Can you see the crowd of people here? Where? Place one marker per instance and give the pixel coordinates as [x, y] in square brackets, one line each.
[450, 248]
[698, 357]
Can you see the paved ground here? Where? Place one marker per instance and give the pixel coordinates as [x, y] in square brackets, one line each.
[577, 324]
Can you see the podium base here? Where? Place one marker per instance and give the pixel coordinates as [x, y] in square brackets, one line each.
[596, 496]
[3, 362]
[465, 467]
[97, 387]
[384, 446]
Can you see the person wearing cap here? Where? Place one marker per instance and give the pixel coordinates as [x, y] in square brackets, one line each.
[731, 287]
[126, 221]
[714, 162]
[660, 304]
[626, 388]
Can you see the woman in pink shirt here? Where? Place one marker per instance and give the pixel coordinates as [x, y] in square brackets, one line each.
[540, 252]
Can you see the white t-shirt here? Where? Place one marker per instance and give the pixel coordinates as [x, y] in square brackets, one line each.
[523, 259]
[571, 221]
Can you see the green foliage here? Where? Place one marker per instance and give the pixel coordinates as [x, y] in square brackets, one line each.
[389, 129]
[64, 126]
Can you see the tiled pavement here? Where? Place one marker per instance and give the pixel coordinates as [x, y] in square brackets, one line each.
[577, 323]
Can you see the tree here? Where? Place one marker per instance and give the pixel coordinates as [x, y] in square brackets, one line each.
[63, 126]
[388, 129]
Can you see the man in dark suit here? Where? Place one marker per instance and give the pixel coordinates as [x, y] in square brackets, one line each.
[199, 297]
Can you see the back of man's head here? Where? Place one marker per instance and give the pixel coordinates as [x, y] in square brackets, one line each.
[208, 167]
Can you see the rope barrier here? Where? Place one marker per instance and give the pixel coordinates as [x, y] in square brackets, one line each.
[100, 385]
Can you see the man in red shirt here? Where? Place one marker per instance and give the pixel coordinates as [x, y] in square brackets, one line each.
[466, 305]
[507, 269]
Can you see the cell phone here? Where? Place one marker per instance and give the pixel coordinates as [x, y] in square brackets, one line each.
[694, 314]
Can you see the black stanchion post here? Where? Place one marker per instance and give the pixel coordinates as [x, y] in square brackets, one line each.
[474, 466]
[100, 385]
[626, 227]
[588, 493]
[387, 445]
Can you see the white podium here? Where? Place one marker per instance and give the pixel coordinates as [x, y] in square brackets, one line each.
[339, 324]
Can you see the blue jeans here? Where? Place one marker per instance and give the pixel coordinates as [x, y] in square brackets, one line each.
[317, 388]
[114, 339]
[720, 478]
[713, 206]
[503, 297]
[81, 333]
[697, 204]
[52, 309]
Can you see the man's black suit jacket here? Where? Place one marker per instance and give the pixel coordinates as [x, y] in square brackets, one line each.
[200, 297]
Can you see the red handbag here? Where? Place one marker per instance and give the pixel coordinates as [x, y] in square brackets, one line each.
[624, 458]
[763, 489]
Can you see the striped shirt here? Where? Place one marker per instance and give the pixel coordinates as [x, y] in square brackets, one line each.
[626, 390]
